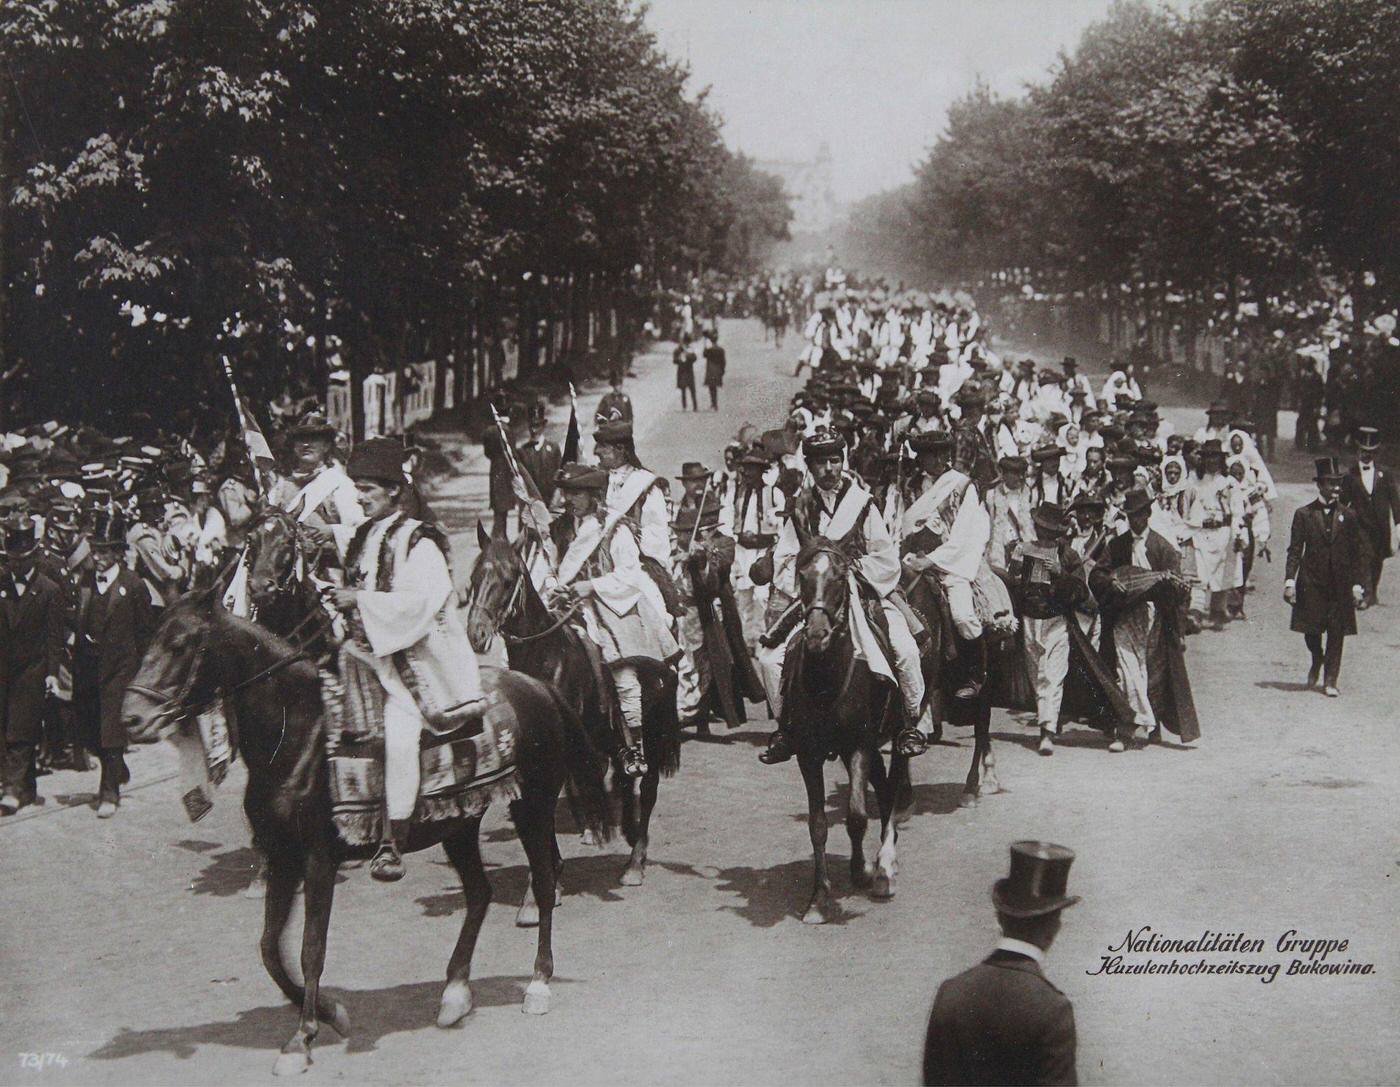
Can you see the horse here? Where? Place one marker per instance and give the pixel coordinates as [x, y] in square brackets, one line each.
[200, 652]
[833, 706]
[503, 601]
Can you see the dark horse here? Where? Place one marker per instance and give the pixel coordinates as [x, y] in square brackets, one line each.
[201, 652]
[834, 706]
[504, 601]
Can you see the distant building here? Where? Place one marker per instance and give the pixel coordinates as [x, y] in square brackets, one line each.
[814, 205]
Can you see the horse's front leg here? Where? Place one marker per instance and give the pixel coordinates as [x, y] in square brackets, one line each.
[862, 873]
[886, 790]
[635, 872]
[320, 890]
[464, 851]
[819, 909]
[535, 825]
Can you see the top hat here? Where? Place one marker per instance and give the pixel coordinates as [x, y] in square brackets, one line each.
[1327, 468]
[1049, 516]
[379, 459]
[581, 477]
[537, 413]
[312, 425]
[108, 528]
[1037, 883]
[19, 536]
[824, 443]
[1368, 437]
[1136, 500]
[693, 469]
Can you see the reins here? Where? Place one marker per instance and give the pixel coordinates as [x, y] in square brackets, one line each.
[513, 602]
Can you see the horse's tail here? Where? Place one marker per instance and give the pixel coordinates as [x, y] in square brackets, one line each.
[661, 731]
[588, 794]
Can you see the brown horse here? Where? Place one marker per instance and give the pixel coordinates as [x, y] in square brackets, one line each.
[201, 653]
[504, 602]
[833, 706]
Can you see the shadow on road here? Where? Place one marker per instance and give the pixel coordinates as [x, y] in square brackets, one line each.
[780, 893]
[227, 873]
[374, 1014]
[1281, 685]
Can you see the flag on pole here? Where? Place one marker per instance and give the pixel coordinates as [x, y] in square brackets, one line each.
[574, 437]
[259, 452]
[532, 504]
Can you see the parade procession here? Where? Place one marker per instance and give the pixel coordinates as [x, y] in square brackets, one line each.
[357, 499]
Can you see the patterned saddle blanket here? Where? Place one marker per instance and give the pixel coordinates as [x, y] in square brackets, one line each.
[461, 771]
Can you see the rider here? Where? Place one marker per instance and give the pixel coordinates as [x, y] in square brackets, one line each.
[945, 531]
[623, 612]
[640, 495]
[835, 505]
[317, 490]
[403, 611]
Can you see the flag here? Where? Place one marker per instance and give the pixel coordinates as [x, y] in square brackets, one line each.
[259, 452]
[574, 436]
[523, 486]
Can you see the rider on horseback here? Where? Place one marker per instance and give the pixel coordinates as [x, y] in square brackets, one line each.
[945, 533]
[835, 505]
[621, 606]
[403, 612]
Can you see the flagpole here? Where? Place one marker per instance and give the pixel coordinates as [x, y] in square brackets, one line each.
[243, 424]
[514, 465]
[699, 511]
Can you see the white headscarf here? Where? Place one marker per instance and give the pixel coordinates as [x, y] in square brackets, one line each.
[1170, 489]
[1253, 462]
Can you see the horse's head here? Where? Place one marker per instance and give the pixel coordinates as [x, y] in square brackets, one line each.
[823, 585]
[497, 580]
[173, 678]
[274, 550]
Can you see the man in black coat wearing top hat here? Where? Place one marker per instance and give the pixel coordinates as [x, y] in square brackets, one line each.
[31, 648]
[1003, 1021]
[1370, 490]
[1325, 575]
[538, 455]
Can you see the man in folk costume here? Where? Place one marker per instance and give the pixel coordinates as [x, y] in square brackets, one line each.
[403, 616]
[1048, 484]
[32, 630]
[1075, 380]
[636, 492]
[944, 534]
[620, 605]
[1009, 505]
[715, 673]
[835, 505]
[538, 455]
[1146, 624]
[1370, 490]
[316, 491]
[1325, 575]
[754, 516]
[1217, 520]
[116, 620]
[1217, 428]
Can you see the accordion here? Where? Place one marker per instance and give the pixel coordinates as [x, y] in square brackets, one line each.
[1040, 567]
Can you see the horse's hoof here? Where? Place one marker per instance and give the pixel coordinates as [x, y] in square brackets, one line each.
[883, 887]
[456, 1004]
[536, 998]
[815, 916]
[587, 837]
[632, 876]
[340, 1021]
[862, 876]
[528, 916]
[256, 890]
[291, 1064]
[967, 800]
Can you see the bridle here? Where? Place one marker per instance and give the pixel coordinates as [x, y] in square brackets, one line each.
[497, 620]
[841, 617]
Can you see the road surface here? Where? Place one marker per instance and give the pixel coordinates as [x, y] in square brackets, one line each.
[127, 954]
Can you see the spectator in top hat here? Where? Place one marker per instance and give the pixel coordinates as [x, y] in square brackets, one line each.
[1370, 490]
[1325, 575]
[31, 648]
[500, 491]
[1003, 1021]
[715, 363]
[538, 455]
[684, 359]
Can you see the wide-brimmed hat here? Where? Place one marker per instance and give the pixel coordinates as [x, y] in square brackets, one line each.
[930, 441]
[612, 432]
[928, 396]
[1049, 516]
[1368, 437]
[1219, 407]
[312, 425]
[1211, 448]
[1327, 468]
[755, 458]
[1045, 453]
[1088, 500]
[1013, 464]
[824, 443]
[693, 469]
[581, 477]
[1136, 500]
[1038, 880]
[378, 459]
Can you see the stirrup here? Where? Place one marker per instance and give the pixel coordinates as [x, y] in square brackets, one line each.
[634, 763]
[779, 749]
[969, 690]
[387, 865]
[910, 743]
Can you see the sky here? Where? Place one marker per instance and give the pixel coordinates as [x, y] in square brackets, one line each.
[874, 78]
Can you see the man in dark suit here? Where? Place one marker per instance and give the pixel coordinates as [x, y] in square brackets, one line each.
[500, 491]
[1370, 490]
[615, 405]
[1002, 1022]
[684, 359]
[116, 619]
[715, 363]
[538, 455]
[1325, 574]
[31, 626]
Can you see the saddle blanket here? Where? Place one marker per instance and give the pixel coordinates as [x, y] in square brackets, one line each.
[461, 772]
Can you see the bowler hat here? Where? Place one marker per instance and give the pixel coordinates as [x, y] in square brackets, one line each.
[378, 459]
[1038, 880]
[1327, 468]
[755, 458]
